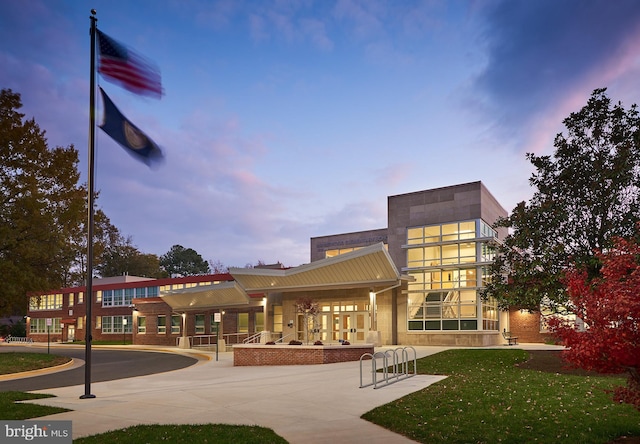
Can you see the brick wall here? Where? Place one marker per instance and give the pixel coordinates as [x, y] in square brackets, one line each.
[526, 327]
[249, 355]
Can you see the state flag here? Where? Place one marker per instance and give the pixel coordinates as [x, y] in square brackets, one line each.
[129, 136]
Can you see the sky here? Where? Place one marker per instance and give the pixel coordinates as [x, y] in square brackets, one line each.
[284, 120]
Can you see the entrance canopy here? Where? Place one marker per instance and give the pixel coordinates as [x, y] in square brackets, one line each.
[366, 267]
[218, 295]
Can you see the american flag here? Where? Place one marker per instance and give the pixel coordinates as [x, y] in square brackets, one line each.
[120, 65]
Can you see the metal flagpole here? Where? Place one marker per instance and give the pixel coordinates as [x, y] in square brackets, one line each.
[90, 212]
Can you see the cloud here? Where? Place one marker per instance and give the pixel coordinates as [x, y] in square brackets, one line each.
[541, 53]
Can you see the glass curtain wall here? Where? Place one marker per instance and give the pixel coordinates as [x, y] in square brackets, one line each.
[448, 263]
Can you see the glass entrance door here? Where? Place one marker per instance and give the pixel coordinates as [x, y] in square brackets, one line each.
[350, 327]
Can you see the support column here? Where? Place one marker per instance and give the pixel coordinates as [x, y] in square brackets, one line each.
[183, 342]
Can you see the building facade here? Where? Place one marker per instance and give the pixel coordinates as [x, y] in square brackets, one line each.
[415, 282]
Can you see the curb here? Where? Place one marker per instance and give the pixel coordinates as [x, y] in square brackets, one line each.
[40, 371]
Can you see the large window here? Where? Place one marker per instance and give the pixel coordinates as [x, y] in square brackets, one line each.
[115, 324]
[124, 296]
[448, 263]
[39, 325]
[45, 302]
[442, 233]
[443, 310]
[146, 292]
[443, 278]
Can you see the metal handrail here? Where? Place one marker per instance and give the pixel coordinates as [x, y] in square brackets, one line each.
[253, 338]
[283, 338]
[198, 340]
[227, 337]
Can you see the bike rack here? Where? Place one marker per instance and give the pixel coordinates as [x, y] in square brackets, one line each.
[399, 368]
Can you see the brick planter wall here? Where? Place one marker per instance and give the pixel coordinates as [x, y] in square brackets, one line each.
[258, 354]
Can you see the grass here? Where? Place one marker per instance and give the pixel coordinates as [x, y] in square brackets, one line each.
[486, 399]
[12, 411]
[188, 434]
[22, 362]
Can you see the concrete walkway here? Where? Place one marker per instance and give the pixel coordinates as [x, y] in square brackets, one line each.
[303, 404]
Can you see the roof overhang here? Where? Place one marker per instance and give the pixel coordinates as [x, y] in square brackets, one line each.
[369, 266]
[223, 294]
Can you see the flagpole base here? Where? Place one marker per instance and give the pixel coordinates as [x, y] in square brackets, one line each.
[87, 396]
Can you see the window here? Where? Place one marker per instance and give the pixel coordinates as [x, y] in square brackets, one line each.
[339, 251]
[448, 263]
[123, 297]
[39, 325]
[162, 325]
[107, 324]
[80, 323]
[117, 296]
[487, 231]
[277, 318]
[80, 297]
[107, 298]
[142, 325]
[98, 322]
[128, 296]
[199, 324]
[45, 302]
[259, 324]
[99, 296]
[143, 292]
[175, 324]
[115, 324]
[243, 322]
[71, 299]
[443, 310]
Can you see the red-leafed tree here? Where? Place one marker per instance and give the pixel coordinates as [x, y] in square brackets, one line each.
[609, 305]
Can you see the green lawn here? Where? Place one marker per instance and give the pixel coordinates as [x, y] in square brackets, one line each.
[15, 411]
[11, 362]
[187, 434]
[486, 399]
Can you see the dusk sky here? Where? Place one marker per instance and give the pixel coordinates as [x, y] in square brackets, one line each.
[286, 120]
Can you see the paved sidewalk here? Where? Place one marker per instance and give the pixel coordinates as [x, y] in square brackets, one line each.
[303, 404]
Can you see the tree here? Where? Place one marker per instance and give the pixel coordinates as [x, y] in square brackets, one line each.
[105, 235]
[586, 194]
[182, 261]
[309, 309]
[609, 306]
[217, 267]
[41, 206]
